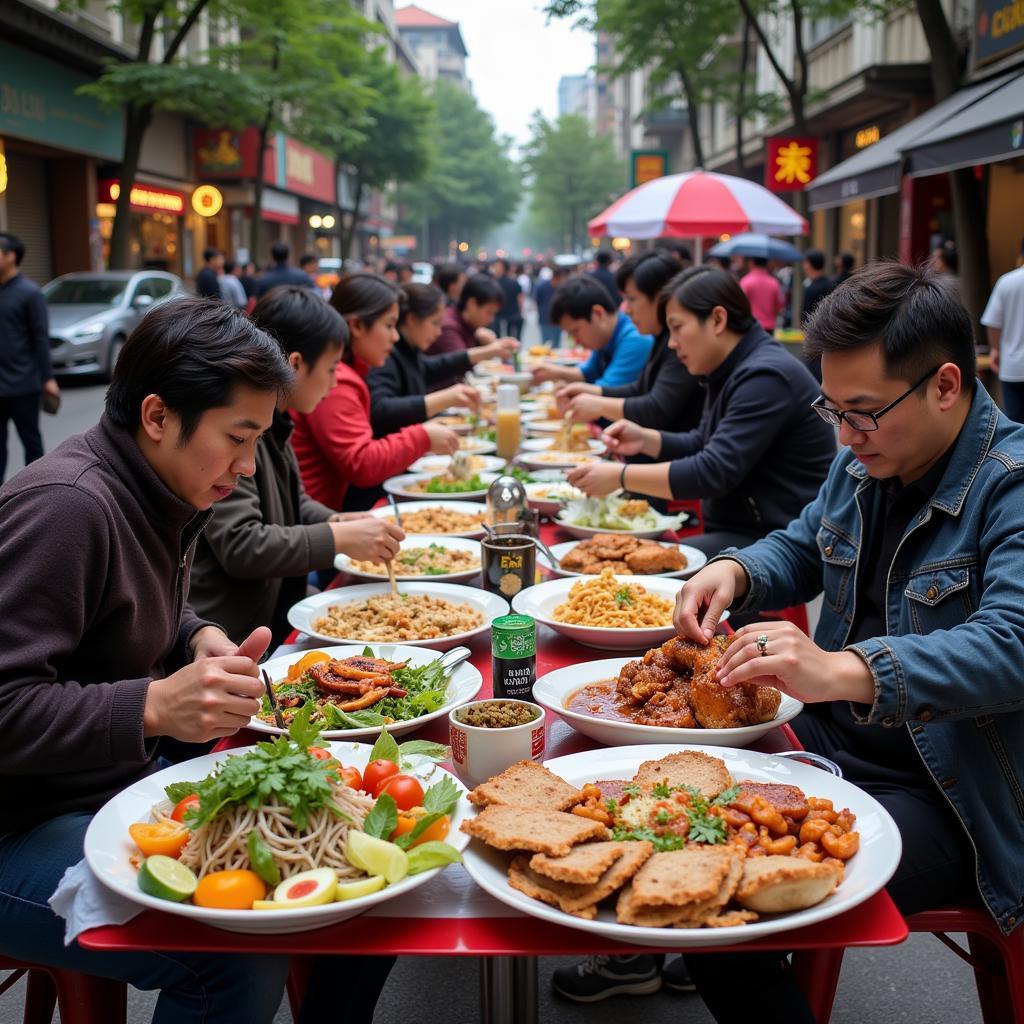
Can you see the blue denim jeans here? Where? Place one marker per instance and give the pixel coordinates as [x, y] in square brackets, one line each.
[205, 988]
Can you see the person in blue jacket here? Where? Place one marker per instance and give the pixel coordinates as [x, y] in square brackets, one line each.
[583, 309]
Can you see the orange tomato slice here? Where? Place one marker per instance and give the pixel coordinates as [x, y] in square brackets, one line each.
[435, 833]
[305, 663]
[229, 890]
[166, 837]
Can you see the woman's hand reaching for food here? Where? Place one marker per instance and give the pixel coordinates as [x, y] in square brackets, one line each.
[596, 479]
[461, 396]
[705, 596]
[584, 408]
[500, 348]
[788, 659]
[442, 440]
[368, 540]
[624, 437]
[569, 391]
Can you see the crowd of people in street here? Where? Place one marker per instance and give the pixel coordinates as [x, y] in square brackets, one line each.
[248, 430]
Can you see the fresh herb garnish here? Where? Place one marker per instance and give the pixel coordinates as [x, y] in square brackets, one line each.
[611, 806]
[662, 817]
[663, 842]
[662, 790]
[623, 596]
[386, 748]
[383, 817]
[177, 791]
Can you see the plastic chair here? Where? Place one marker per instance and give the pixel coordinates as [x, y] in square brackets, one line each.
[997, 960]
[82, 998]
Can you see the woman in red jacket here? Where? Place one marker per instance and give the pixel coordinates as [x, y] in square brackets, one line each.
[334, 444]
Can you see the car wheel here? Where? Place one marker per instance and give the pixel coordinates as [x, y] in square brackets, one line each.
[114, 353]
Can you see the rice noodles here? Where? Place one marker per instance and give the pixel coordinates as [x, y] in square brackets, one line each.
[220, 845]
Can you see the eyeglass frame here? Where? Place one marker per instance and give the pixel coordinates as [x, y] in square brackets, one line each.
[835, 417]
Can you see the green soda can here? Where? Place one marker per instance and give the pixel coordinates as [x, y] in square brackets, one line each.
[513, 656]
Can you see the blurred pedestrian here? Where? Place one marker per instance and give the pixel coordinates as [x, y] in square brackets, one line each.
[843, 266]
[449, 279]
[946, 261]
[390, 272]
[208, 278]
[231, 290]
[546, 286]
[763, 292]
[405, 273]
[26, 377]
[309, 263]
[603, 272]
[1004, 323]
[679, 250]
[817, 284]
[510, 316]
[281, 272]
[248, 278]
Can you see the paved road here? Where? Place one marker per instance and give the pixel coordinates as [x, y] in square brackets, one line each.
[917, 983]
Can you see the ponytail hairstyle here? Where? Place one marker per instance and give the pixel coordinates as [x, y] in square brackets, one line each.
[418, 300]
[700, 289]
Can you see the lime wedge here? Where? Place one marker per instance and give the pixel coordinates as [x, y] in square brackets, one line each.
[361, 887]
[166, 879]
[376, 856]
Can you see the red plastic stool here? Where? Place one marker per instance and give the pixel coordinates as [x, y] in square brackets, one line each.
[997, 959]
[693, 507]
[82, 998]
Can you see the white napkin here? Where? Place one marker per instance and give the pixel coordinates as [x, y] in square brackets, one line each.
[84, 902]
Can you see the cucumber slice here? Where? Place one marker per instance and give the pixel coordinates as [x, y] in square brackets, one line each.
[376, 856]
[360, 887]
[166, 879]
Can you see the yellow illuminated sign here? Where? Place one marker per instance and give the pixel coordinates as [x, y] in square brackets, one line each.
[150, 198]
[207, 201]
[3, 168]
[867, 136]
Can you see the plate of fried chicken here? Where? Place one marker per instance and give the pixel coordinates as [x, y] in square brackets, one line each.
[670, 695]
[624, 555]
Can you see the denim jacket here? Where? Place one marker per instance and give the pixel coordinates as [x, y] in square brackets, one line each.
[951, 669]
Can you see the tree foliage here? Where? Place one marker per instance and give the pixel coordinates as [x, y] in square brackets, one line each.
[574, 173]
[472, 183]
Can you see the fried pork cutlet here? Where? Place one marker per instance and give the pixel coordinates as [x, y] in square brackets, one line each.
[707, 774]
[653, 558]
[682, 877]
[527, 784]
[518, 828]
[582, 865]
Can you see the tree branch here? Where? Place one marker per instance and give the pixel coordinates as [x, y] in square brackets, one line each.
[766, 45]
[800, 82]
[183, 30]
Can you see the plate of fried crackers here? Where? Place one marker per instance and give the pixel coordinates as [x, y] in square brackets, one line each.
[678, 847]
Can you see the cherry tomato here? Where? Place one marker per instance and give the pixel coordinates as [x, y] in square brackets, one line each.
[321, 754]
[192, 800]
[376, 772]
[435, 833]
[229, 890]
[166, 837]
[405, 790]
[351, 777]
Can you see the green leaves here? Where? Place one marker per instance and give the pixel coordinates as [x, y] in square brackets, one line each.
[623, 596]
[383, 818]
[177, 791]
[261, 860]
[423, 748]
[441, 797]
[386, 747]
[432, 855]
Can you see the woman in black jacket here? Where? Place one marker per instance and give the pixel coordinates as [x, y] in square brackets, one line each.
[665, 395]
[399, 389]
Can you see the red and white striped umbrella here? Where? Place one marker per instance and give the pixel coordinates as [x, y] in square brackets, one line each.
[695, 205]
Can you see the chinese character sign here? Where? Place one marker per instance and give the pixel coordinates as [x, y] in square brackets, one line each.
[791, 164]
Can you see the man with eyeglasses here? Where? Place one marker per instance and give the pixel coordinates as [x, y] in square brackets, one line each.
[913, 680]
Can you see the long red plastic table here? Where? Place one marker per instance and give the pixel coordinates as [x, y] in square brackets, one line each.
[451, 916]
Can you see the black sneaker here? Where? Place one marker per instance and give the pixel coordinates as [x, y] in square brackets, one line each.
[599, 977]
[675, 976]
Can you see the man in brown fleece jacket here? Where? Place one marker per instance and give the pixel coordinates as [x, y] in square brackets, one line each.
[101, 656]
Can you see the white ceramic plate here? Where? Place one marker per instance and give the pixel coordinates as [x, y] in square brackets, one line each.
[453, 421]
[301, 615]
[538, 495]
[344, 564]
[694, 559]
[554, 690]
[543, 444]
[434, 464]
[463, 686]
[866, 872]
[401, 487]
[478, 446]
[108, 847]
[541, 600]
[468, 507]
[665, 523]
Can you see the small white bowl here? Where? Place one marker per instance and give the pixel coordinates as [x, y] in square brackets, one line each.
[479, 753]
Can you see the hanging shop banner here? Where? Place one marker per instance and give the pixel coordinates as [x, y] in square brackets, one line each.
[648, 164]
[144, 198]
[791, 163]
[998, 29]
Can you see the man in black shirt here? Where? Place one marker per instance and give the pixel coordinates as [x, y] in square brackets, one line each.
[817, 283]
[208, 279]
[603, 272]
[25, 372]
[510, 316]
[281, 273]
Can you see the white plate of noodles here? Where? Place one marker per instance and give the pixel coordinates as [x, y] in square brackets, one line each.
[110, 852]
[437, 615]
[609, 612]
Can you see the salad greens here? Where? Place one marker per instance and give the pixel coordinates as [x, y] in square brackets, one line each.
[608, 514]
[443, 485]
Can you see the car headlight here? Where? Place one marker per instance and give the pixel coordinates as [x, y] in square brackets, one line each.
[88, 332]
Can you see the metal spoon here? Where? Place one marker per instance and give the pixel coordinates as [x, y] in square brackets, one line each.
[456, 656]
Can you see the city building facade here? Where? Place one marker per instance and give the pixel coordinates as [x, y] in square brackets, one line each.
[436, 45]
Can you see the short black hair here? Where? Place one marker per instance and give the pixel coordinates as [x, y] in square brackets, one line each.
[481, 287]
[846, 261]
[949, 256]
[577, 297]
[364, 297]
[421, 300]
[12, 243]
[210, 253]
[308, 257]
[759, 261]
[911, 312]
[815, 258]
[603, 258]
[650, 272]
[229, 266]
[279, 252]
[300, 321]
[676, 248]
[700, 289]
[193, 353]
[446, 274]
[502, 261]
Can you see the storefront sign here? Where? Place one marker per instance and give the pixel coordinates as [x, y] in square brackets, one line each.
[39, 102]
[207, 200]
[867, 136]
[648, 164]
[221, 154]
[999, 29]
[404, 242]
[3, 169]
[144, 198]
[791, 164]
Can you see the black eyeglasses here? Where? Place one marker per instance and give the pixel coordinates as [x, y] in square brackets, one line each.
[864, 421]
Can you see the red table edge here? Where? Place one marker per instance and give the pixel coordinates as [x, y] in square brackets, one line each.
[875, 922]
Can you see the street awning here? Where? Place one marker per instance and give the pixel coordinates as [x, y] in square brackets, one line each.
[876, 171]
[990, 129]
